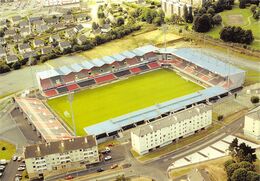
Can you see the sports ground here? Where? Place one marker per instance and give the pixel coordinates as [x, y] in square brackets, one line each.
[92, 106]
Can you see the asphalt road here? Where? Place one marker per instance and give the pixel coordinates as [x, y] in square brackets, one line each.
[10, 171]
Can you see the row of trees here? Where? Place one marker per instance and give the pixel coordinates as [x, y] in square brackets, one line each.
[236, 35]
[241, 167]
[205, 22]
[243, 3]
[256, 11]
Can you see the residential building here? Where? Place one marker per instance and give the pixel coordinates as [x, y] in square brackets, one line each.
[171, 7]
[68, 18]
[15, 20]
[3, 23]
[252, 123]
[25, 47]
[51, 21]
[61, 2]
[2, 41]
[81, 39]
[54, 37]
[41, 28]
[59, 26]
[78, 28]
[80, 17]
[2, 52]
[168, 129]
[11, 59]
[27, 55]
[25, 31]
[64, 45]
[24, 24]
[60, 156]
[70, 33]
[46, 50]
[9, 33]
[38, 43]
[17, 38]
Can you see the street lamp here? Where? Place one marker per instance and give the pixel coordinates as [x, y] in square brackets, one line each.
[70, 98]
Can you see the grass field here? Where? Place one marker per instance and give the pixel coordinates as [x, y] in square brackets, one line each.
[96, 105]
[9, 150]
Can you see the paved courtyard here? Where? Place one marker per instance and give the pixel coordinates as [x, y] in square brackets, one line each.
[216, 150]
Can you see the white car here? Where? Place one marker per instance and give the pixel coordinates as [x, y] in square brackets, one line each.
[2, 166]
[21, 169]
[15, 158]
[107, 149]
[108, 158]
[1, 174]
[19, 158]
[22, 165]
[3, 162]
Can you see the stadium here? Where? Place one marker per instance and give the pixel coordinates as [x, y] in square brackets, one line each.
[119, 92]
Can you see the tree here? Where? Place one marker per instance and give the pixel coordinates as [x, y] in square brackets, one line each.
[254, 99]
[3, 148]
[185, 13]
[253, 8]
[120, 21]
[161, 15]
[217, 19]
[247, 165]
[256, 14]
[211, 11]
[231, 168]
[157, 21]
[236, 35]
[233, 145]
[95, 26]
[202, 23]
[16, 65]
[220, 117]
[252, 176]
[242, 4]
[228, 162]
[4, 68]
[239, 174]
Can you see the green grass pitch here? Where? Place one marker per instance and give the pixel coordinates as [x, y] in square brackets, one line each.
[92, 106]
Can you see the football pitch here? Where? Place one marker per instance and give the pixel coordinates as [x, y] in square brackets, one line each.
[92, 106]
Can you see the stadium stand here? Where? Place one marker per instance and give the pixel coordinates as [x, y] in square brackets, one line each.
[122, 73]
[69, 78]
[72, 87]
[105, 78]
[144, 67]
[50, 93]
[87, 83]
[46, 84]
[57, 81]
[62, 89]
[153, 65]
[135, 70]
[132, 61]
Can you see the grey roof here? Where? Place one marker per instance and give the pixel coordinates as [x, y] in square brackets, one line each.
[24, 23]
[171, 120]
[16, 18]
[68, 17]
[35, 18]
[56, 37]
[38, 42]
[17, 37]
[24, 46]
[29, 54]
[51, 20]
[65, 44]
[42, 28]
[254, 114]
[59, 26]
[25, 30]
[41, 150]
[46, 50]
[10, 32]
[11, 59]
[79, 27]
[82, 38]
[71, 32]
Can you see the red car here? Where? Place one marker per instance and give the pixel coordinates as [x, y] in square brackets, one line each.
[69, 177]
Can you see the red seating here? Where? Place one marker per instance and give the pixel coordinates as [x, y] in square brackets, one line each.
[153, 65]
[205, 78]
[46, 84]
[135, 70]
[50, 93]
[72, 87]
[69, 78]
[105, 78]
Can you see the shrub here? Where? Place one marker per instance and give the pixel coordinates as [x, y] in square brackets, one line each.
[16, 65]
[3, 148]
[255, 99]
[4, 68]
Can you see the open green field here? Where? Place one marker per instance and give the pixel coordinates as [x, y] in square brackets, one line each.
[9, 150]
[239, 17]
[96, 105]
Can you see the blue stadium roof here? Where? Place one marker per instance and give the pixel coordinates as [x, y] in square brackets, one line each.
[119, 57]
[88, 65]
[153, 111]
[76, 67]
[65, 70]
[208, 62]
[128, 54]
[108, 59]
[97, 62]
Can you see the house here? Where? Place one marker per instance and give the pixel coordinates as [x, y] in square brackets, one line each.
[105, 28]
[17, 38]
[51, 21]
[58, 26]
[38, 43]
[64, 45]
[34, 18]
[60, 156]
[168, 129]
[81, 39]
[68, 18]
[15, 20]
[24, 24]
[80, 17]
[11, 59]
[9, 33]
[27, 55]
[78, 28]
[2, 52]
[198, 175]
[38, 23]
[70, 33]
[252, 123]
[25, 47]
[171, 7]
[25, 32]
[54, 37]
[46, 50]
[41, 28]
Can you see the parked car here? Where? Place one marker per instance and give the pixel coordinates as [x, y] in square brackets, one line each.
[3, 162]
[21, 169]
[114, 166]
[100, 170]
[15, 158]
[1, 174]
[69, 177]
[17, 179]
[2, 169]
[18, 175]
[19, 158]
[106, 150]
[108, 158]
[22, 165]
[2, 166]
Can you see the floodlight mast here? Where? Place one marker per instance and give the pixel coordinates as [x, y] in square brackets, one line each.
[71, 97]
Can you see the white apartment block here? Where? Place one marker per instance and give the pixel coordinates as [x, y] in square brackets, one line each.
[59, 2]
[166, 130]
[60, 156]
[171, 7]
[252, 123]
